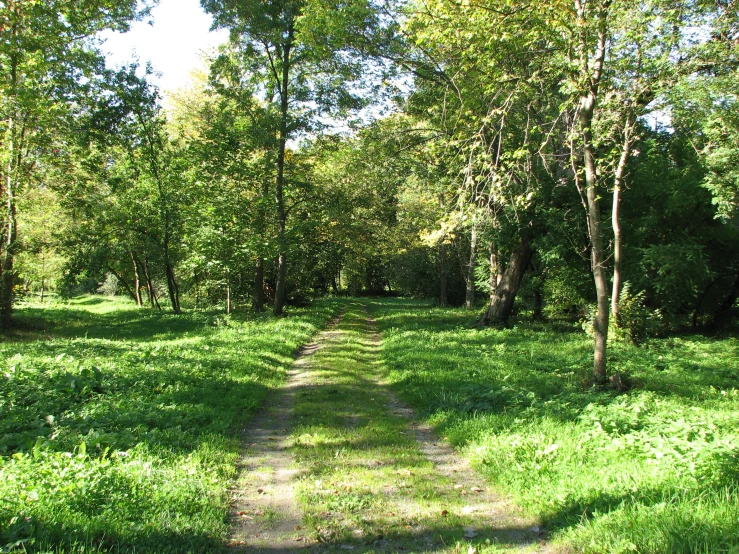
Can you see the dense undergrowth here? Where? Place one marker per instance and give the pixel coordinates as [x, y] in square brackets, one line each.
[119, 427]
[654, 469]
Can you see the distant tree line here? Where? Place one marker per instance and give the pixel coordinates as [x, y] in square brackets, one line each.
[567, 158]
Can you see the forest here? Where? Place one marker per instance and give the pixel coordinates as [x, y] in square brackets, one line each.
[533, 204]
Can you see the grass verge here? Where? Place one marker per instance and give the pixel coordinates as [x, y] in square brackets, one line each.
[119, 427]
[653, 470]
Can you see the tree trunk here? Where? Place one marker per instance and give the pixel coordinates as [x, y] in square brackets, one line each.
[538, 314]
[228, 293]
[442, 275]
[279, 189]
[501, 303]
[43, 273]
[259, 285]
[725, 311]
[123, 282]
[150, 292]
[279, 305]
[597, 252]
[470, 280]
[592, 69]
[617, 184]
[335, 285]
[11, 228]
[136, 281]
[7, 271]
[495, 270]
[172, 289]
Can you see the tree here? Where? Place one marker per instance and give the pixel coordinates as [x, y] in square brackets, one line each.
[47, 55]
[553, 89]
[297, 56]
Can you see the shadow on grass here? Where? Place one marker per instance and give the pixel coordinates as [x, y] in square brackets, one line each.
[45, 536]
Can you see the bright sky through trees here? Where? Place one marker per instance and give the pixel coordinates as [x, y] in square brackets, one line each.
[179, 32]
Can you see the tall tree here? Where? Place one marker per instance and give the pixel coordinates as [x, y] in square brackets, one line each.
[298, 57]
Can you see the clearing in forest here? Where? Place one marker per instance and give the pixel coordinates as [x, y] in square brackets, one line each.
[338, 463]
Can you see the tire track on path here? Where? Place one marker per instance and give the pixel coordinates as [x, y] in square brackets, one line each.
[265, 515]
[374, 479]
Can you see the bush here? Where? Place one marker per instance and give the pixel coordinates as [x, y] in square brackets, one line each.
[636, 322]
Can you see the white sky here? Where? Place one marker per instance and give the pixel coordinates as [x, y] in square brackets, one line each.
[180, 32]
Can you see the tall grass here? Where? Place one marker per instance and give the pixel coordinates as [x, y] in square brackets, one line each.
[654, 469]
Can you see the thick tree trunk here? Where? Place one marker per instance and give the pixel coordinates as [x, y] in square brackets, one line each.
[259, 285]
[280, 285]
[469, 299]
[7, 270]
[11, 229]
[592, 70]
[597, 252]
[501, 303]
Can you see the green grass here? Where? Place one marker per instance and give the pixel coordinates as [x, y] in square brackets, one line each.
[119, 427]
[652, 470]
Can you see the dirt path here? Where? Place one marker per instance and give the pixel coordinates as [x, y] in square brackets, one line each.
[339, 464]
[265, 515]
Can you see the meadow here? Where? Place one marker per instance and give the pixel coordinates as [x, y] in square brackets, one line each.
[120, 427]
[654, 469]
